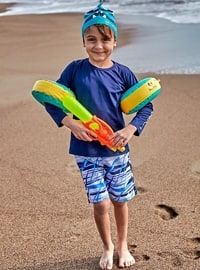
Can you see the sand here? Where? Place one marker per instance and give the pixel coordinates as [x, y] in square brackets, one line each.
[45, 220]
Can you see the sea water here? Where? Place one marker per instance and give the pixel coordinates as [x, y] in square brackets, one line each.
[170, 37]
[185, 11]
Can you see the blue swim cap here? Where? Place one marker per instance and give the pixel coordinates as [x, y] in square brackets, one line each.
[102, 16]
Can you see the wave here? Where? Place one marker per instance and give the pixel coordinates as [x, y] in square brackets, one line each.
[177, 11]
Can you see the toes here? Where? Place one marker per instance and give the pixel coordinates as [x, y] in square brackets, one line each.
[126, 263]
[106, 264]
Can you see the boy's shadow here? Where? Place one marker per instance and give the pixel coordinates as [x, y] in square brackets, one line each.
[78, 264]
[91, 263]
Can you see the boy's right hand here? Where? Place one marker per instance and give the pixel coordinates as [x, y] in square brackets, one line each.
[78, 129]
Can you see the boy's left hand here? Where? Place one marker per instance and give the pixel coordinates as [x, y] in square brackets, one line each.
[123, 136]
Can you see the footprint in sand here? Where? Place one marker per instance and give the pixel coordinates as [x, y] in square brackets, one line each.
[175, 259]
[141, 190]
[195, 168]
[137, 255]
[195, 240]
[193, 251]
[165, 212]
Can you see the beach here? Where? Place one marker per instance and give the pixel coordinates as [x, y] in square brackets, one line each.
[45, 219]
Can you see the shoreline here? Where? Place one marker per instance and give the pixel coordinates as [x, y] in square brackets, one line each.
[5, 6]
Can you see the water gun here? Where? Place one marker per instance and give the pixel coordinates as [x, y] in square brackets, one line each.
[92, 122]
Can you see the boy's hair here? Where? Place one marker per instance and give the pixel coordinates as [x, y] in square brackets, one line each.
[100, 16]
[104, 30]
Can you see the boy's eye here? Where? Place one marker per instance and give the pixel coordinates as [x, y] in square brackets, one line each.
[91, 39]
[106, 39]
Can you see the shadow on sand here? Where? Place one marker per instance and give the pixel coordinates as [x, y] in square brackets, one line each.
[78, 264]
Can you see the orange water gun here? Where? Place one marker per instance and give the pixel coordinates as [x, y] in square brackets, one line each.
[92, 122]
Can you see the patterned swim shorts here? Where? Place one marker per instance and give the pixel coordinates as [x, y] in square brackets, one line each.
[107, 177]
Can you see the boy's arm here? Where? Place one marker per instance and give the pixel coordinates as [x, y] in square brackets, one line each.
[56, 113]
[141, 118]
[63, 119]
[135, 127]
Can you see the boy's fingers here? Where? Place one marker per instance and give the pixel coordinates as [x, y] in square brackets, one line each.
[91, 134]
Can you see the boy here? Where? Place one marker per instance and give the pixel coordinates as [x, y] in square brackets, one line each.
[98, 83]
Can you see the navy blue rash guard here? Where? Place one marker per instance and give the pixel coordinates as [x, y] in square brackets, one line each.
[99, 90]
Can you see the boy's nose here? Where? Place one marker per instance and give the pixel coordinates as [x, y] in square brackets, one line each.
[99, 44]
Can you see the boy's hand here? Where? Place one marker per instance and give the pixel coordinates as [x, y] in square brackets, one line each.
[123, 136]
[78, 129]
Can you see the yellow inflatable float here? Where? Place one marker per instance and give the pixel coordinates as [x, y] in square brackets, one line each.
[48, 91]
[139, 95]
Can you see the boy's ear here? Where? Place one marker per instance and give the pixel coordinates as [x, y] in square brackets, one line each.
[115, 43]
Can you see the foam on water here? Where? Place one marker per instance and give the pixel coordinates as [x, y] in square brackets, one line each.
[177, 11]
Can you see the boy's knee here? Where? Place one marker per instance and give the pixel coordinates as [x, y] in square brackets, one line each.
[102, 207]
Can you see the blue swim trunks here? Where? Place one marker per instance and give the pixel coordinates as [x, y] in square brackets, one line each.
[107, 177]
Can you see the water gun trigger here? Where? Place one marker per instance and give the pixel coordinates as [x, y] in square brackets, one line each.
[100, 128]
[102, 131]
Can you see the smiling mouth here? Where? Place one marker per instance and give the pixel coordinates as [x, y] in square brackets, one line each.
[99, 53]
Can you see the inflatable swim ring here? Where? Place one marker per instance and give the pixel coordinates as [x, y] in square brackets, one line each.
[47, 91]
[139, 95]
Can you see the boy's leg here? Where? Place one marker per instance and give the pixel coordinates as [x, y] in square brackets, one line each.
[93, 173]
[121, 217]
[102, 219]
[121, 188]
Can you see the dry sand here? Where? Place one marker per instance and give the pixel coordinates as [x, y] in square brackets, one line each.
[45, 220]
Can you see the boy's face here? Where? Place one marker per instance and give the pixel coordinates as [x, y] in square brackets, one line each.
[98, 46]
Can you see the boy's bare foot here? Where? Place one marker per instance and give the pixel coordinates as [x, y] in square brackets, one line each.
[106, 261]
[125, 257]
